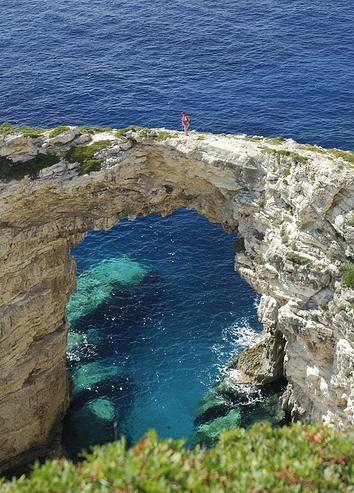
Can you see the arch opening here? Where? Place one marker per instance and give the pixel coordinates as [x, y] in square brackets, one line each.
[157, 315]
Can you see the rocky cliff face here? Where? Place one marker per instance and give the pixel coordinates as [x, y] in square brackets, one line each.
[291, 204]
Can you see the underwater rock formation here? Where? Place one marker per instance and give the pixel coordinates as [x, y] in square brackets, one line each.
[95, 285]
[291, 204]
[227, 405]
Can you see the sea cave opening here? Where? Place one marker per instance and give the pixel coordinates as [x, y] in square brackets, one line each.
[158, 314]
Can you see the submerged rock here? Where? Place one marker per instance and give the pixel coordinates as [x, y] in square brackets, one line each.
[96, 284]
[103, 408]
[94, 373]
[208, 433]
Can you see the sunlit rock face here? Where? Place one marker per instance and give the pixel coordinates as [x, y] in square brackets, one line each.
[292, 205]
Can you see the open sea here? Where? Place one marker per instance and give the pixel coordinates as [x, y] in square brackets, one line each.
[159, 310]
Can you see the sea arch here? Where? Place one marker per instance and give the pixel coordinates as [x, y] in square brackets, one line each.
[231, 181]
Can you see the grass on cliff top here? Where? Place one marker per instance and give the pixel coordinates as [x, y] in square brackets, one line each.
[346, 155]
[348, 274]
[25, 130]
[84, 155]
[279, 153]
[261, 459]
[121, 132]
[58, 131]
[86, 129]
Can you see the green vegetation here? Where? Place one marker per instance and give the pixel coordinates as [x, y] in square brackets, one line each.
[348, 274]
[90, 165]
[285, 153]
[262, 459]
[350, 220]
[287, 172]
[346, 155]
[84, 155]
[58, 130]
[270, 140]
[121, 132]
[275, 140]
[86, 129]
[145, 132]
[296, 259]
[6, 129]
[25, 130]
[28, 131]
[201, 137]
[293, 155]
[163, 135]
[313, 148]
[16, 171]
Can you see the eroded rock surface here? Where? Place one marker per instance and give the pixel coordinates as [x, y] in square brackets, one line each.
[292, 205]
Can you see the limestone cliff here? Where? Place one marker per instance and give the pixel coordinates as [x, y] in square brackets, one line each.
[291, 204]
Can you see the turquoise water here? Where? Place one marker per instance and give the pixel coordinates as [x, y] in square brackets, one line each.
[158, 313]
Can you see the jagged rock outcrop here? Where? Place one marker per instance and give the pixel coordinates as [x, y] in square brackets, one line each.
[292, 204]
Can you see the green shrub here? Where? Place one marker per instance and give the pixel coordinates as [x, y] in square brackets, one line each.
[57, 131]
[271, 140]
[16, 171]
[296, 259]
[86, 129]
[121, 132]
[346, 155]
[90, 165]
[7, 128]
[313, 148]
[293, 155]
[285, 153]
[276, 140]
[84, 155]
[164, 135]
[28, 131]
[348, 274]
[25, 130]
[262, 459]
[145, 132]
[268, 150]
[350, 220]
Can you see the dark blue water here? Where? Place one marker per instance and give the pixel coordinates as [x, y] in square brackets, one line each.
[146, 347]
[256, 66]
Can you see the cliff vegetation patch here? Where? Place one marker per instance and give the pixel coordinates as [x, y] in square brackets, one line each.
[348, 274]
[58, 131]
[288, 459]
[25, 130]
[84, 155]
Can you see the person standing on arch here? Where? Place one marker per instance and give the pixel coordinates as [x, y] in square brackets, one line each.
[186, 121]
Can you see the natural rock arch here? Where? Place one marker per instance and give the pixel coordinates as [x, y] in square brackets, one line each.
[290, 204]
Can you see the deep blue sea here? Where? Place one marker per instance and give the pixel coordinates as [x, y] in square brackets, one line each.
[160, 309]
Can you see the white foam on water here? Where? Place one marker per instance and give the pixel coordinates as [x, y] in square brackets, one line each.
[237, 337]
